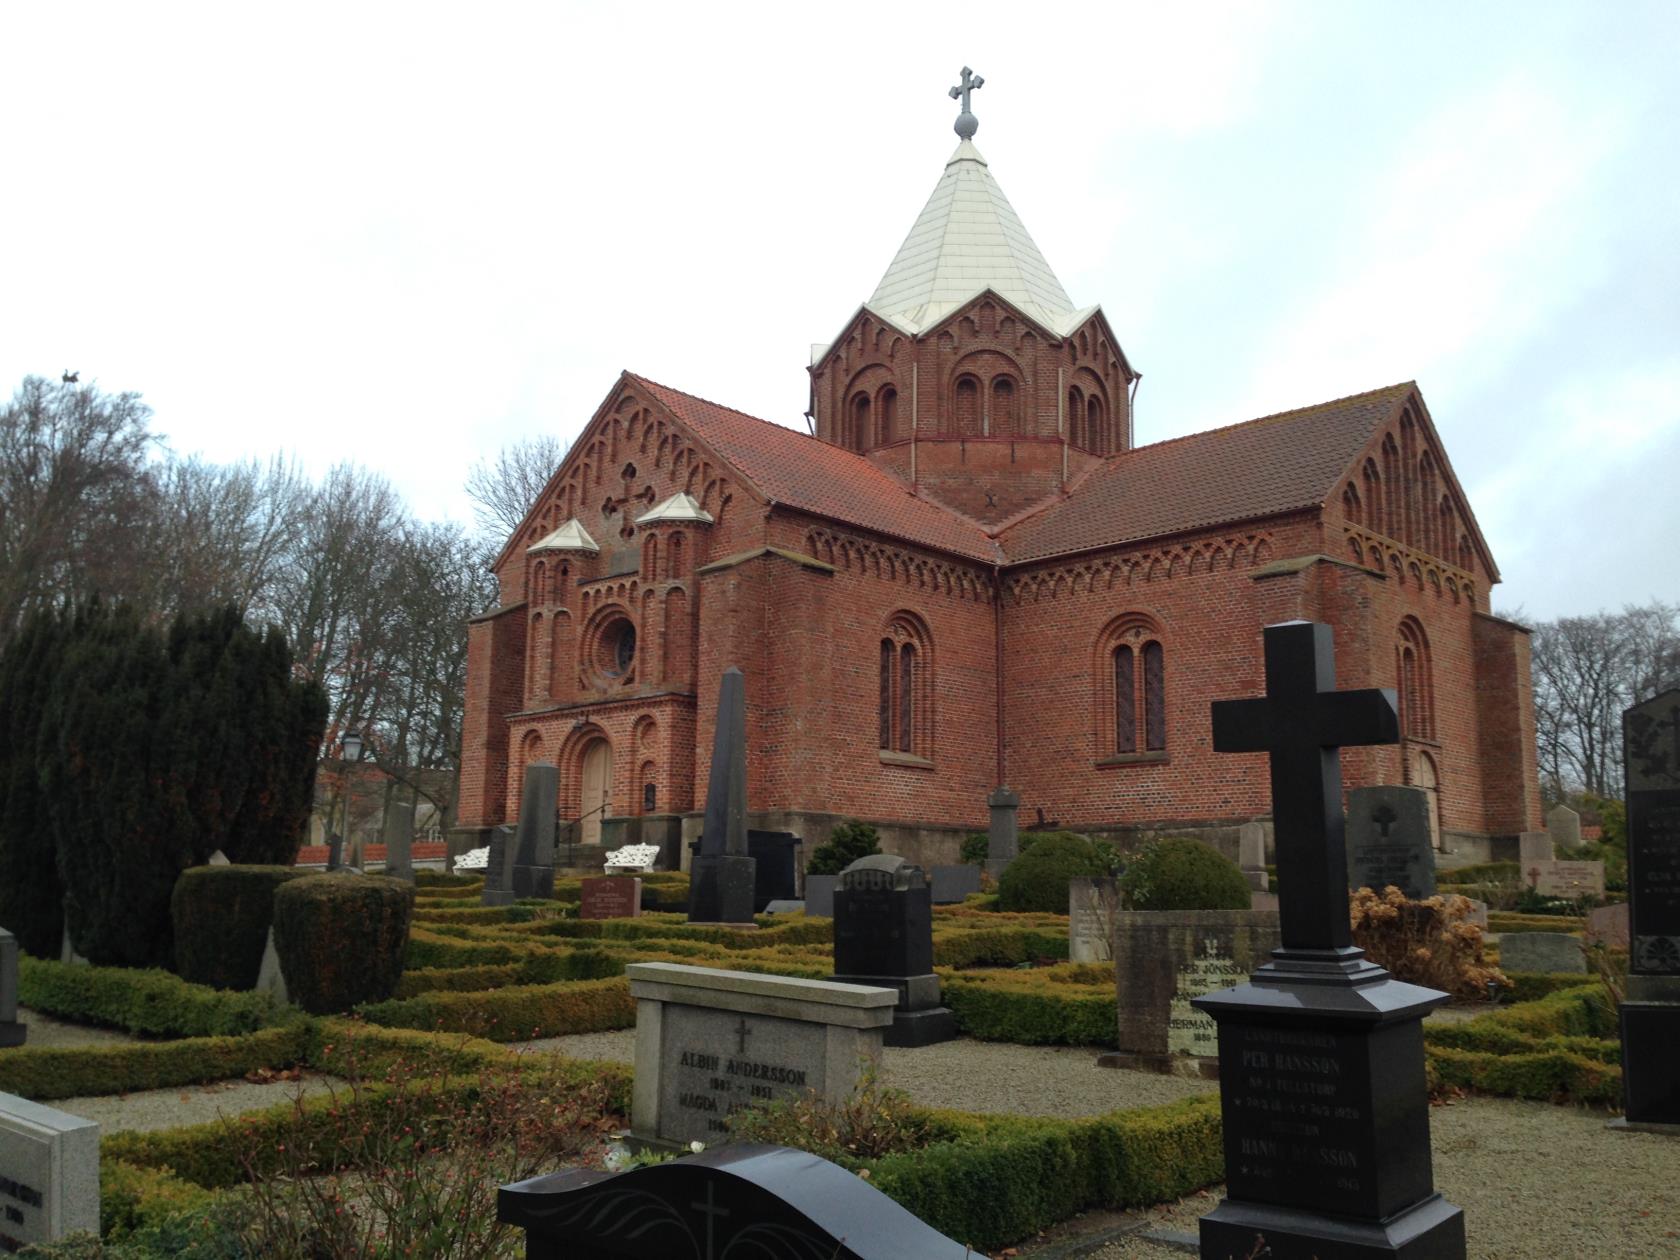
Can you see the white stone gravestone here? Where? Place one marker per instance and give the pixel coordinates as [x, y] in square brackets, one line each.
[1564, 826]
[1092, 905]
[49, 1173]
[1251, 854]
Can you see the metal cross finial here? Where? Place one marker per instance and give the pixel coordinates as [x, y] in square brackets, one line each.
[967, 123]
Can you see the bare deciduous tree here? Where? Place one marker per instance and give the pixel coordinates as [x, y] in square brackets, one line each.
[503, 489]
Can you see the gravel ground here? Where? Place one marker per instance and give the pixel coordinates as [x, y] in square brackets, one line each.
[194, 1104]
[44, 1030]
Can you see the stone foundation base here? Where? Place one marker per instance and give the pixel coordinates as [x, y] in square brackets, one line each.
[1197, 1067]
[1430, 1230]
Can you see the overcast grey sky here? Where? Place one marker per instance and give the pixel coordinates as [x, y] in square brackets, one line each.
[408, 234]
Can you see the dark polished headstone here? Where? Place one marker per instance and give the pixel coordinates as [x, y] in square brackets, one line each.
[12, 1033]
[1650, 1017]
[335, 851]
[1003, 835]
[723, 877]
[742, 1200]
[819, 896]
[951, 884]
[498, 864]
[1322, 1085]
[1389, 842]
[532, 870]
[883, 935]
[775, 877]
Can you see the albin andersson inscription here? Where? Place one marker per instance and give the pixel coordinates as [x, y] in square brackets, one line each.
[725, 1085]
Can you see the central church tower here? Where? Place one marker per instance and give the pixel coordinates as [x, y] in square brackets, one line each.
[969, 373]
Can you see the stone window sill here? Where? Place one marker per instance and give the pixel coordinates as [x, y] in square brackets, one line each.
[891, 758]
[1135, 759]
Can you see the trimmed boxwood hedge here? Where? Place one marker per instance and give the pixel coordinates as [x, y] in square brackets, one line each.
[341, 938]
[221, 916]
[150, 1002]
[42, 1073]
[519, 1013]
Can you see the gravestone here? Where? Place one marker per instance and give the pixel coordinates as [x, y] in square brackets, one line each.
[270, 978]
[1572, 880]
[335, 851]
[1651, 1013]
[1092, 904]
[1552, 953]
[12, 1033]
[531, 873]
[1163, 960]
[1003, 835]
[785, 905]
[498, 874]
[723, 875]
[1251, 854]
[1563, 825]
[819, 896]
[1535, 846]
[1608, 926]
[1323, 1093]
[709, 1042]
[775, 877]
[49, 1174]
[953, 884]
[1389, 841]
[883, 935]
[218, 858]
[399, 840]
[611, 897]
[748, 1201]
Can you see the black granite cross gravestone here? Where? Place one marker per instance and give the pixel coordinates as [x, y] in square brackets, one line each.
[1323, 1095]
[1303, 723]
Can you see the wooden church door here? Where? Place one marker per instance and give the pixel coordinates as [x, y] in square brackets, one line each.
[597, 790]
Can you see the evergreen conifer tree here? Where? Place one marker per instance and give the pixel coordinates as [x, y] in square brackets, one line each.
[30, 901]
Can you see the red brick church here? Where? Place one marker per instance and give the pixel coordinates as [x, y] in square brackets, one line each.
[971, 575]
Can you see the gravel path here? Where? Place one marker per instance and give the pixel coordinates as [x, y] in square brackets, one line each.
[44, 1030]
[194, 1104]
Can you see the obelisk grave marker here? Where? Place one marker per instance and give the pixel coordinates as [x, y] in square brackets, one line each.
[1322, 1086]
[724, 876]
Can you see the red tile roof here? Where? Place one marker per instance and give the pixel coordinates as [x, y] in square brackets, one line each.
[1276, 464]
[1265, 467]
[793, 468]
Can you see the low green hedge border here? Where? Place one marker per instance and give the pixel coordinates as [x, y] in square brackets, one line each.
[42, 1073]
[517, 1013]
[152, 1003]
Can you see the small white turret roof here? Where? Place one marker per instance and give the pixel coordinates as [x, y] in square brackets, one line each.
[679, 507]
[969, 239]
[571, 536]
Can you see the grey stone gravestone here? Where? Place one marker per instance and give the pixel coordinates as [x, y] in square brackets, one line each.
[1564, 826]
[819, 896]
[952, 884]
[1093, 901]
[1608, 926]
[746, 1201]
[532, 872]
[49, 1174]
[1570, 880]
[1389, 842]
[1553, 953]
[270, 978]
[883, 935]
[1651, 1013]
[218, 858]
[785, 905]
[1324, 1099]
[1534, 846]
[498, 868]
[1003, 836]
[12, 1033]
[723, 875]
[709, 1042]
[399, 840]
[335, 851]
[1164, 960]
[1251, 854]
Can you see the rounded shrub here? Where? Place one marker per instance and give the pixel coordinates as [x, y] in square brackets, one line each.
[221, 916]
[1037, 880]
[1183, 873]
[849, 841]
[341, 938]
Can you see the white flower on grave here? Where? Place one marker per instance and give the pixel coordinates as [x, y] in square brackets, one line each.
[617, 1158]
[696, 1147]
[473, 859]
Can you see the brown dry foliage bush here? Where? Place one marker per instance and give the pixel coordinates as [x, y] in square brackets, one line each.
[1429, 942]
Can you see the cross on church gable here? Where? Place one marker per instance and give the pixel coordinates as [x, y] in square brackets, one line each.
[1303, 723]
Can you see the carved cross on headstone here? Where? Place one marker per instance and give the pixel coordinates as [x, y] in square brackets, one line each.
[1302, 723]
[1385, 818]
[711, 1211]
[742, 1032]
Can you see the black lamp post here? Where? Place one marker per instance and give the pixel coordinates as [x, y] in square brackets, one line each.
[350, 750]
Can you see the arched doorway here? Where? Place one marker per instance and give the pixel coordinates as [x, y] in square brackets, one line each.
[597, 790]
[1425, 777]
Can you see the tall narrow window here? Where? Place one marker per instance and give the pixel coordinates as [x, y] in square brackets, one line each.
[889, 414]
[968, 405]
[1076, 417]
[888, 652]
[906, 696]
[1125, 700]
[1416, 679]
[1003, 407]
[859, 436]
[1094, 425]
[1154, 697]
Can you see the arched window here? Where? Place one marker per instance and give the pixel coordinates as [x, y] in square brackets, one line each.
[968, 405]
[1394, 523]
[1416, 678]
[674, 557]
[1426, 474]
[904, 714]
[1351, 504]
[1373, 496]
[1003, 407]
[650, 558]
[888, 406]
[563, 585]
[1131, 691]
[1076, 416]
[858, 438]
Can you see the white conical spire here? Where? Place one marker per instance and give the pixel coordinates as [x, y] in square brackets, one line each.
[969, 238]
